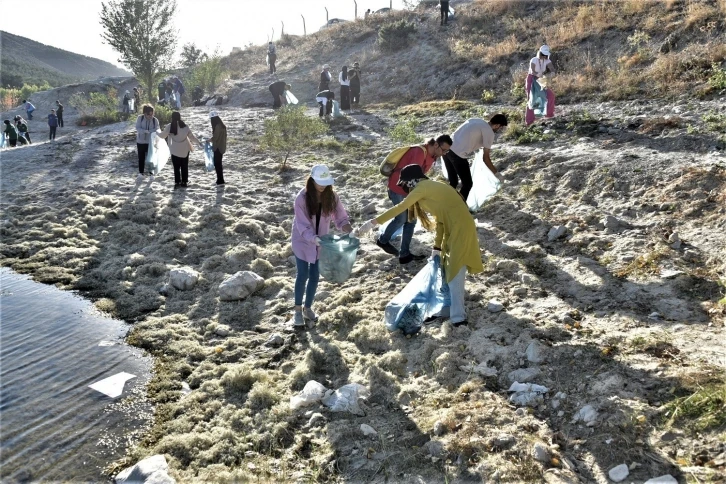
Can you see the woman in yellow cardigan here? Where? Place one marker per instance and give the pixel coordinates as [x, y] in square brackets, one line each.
[456, 238]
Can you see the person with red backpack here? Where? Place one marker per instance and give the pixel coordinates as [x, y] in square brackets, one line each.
[424, 156]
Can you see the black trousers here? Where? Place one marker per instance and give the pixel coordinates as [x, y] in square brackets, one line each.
[181, 169]
[273, 59]
[60, 119]
[458, 168]
[354, 95]
[276, 99]
[52, 132]
[27, 136]
[142, 149]
[327, 109]
[344, 97]
[444, 13]
[218, 167]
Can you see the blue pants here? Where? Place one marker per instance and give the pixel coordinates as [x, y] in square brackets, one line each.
[401, 220]
[310, 274]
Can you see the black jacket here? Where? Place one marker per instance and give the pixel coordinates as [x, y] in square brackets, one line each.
[324, 82]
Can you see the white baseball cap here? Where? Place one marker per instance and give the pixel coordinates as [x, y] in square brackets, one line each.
[545, 49]
[326, 66]
[322, 176]
[213, 114]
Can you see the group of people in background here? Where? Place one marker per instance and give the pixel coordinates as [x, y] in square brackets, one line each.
[349, 81]
[170, 92]
[181, 140]
[18, 132]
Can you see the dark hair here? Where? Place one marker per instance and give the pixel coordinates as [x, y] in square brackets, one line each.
[23, 100]
[313, 198]
[498, 119]
[345, 73]
[444, 138]
[7, 121]
[216, 121]
[176, 122]
[147, 109]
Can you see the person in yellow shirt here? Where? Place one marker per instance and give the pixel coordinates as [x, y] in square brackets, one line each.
[456, 238]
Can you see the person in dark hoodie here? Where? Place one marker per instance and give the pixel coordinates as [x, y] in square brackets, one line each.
[354, 75]
[53, 124]
[22, 126]
[325, 101]
[219, 144]
[59, 113]
[324, 84]
[277, 89]
[11, 132]
[272, 57]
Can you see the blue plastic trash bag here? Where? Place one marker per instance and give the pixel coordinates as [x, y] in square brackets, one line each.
[158, 154]
[336, 109]
[337, 256]
[485, 184]
[537, 99]
[208, 157]
[425, 296]
[291, 99]
[2, 140]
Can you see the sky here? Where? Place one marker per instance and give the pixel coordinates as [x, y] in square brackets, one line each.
[74, 25]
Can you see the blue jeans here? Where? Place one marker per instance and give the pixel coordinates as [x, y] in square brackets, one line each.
[401, 220]
[310, 274]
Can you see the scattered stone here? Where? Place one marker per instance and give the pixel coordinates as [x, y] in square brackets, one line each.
[565, 318]
[368, 430]
[503, 441]
[275, 340]
[654, 315]
[560, 413]
[222, 330]
[480, 369]
[520, 291]
[540, 452]
[524, 375]
[527, 394]
[691, 255]
[164, 290]
[240, 285]
[528, 279]
[587, 415]
[435, 448]
[665, 479]
[520, 412]
[675, 241]
[183, 278]
[370, 208]
[534, 353]
[610, 222]
[618, 473]
[495, 306]
[557, 400]
[556, 233]
[317, 420]
[152, 470]
[507, 266]
[439, 428]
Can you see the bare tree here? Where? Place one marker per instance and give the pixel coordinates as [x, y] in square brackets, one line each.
[142, 33]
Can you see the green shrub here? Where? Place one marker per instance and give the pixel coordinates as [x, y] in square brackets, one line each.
[718, 77]
[488, 96]
[98, 108]
[208, 74]
[395, 36]
[405, 131]
[290, 129]
[163, 114]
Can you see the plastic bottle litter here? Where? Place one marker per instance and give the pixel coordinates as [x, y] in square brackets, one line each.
[337, 256]
[424, 296]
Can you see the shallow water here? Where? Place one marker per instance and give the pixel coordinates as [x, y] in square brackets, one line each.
[53, 426]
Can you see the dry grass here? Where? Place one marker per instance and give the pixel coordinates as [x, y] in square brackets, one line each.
[699, 13]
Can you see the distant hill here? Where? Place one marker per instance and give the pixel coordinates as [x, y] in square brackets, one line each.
[25, 61]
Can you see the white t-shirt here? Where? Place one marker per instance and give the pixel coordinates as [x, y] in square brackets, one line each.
[341, 81]
[540, 65]
[473, 134]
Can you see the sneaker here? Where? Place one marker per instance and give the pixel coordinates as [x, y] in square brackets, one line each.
[387, 247]
[140, 176]
[298, 320]
[411, 257]
[460, 323]
[308, 313]
[151, 178]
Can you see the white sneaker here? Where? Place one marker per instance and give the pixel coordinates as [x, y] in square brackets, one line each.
[298, 320]
[308, 313]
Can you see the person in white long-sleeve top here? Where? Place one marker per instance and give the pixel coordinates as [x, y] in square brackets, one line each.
[145, 125]
[344, 81]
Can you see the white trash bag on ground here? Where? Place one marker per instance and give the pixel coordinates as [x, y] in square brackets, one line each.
[310, 395]
[345, 399]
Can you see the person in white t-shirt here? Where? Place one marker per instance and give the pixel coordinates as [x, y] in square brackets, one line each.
[539, 66]
[471, 136]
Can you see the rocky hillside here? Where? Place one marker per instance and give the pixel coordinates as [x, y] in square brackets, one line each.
[26, 61]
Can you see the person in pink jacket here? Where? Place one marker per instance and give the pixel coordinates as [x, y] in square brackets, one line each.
[315, 207]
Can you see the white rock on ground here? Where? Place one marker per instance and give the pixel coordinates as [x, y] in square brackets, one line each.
[618, 473]
[240, 285]
[524, 375]
[222, 330]
[152, 470]
[183, 278]
[439, 428]
[275, 340]
[534, 353]
[540, 452]
[556, 233]
[368, 430]
[666, 479]
[495, 306]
